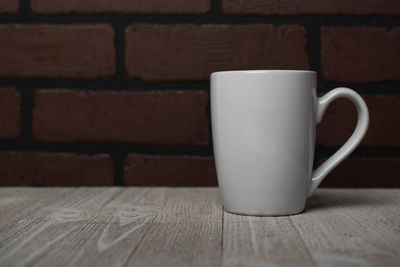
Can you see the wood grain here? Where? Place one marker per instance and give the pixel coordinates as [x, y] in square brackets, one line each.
[187, 227]
[352, 227]
[257, 241]
[187, 231]
[87, 227]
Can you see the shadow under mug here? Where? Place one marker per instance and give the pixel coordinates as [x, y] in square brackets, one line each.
[263, 128]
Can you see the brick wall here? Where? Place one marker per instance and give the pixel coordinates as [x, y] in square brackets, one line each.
[103, 92]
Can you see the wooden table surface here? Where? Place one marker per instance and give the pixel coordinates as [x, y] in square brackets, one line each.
[187, 227]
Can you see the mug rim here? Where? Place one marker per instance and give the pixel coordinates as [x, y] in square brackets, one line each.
[262, 71]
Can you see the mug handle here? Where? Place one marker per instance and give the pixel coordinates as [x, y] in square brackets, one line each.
[322, 171]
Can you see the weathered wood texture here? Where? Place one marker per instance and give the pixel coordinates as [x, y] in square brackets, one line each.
[187, 227]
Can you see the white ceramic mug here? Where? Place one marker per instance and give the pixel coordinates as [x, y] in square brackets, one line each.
[263, 127]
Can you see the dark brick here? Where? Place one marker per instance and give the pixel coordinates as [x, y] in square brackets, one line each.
[57, 51]
[167, 118]
[361, 54]
[144, 170]
[365, 172]
[10, 101]
[121, 6]
[341, 118]
[311, 7]
[190, 52]
[45, 169]
[9, 6]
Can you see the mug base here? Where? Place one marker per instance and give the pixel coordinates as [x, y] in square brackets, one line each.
[263, 214]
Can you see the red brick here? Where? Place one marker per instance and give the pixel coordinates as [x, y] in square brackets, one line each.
[311, 7]
[57, 51]
[10, 101]
[9, 6]
[341, 117]
[144, 170]
[168, 118]
[46, 169]
[365, 172]
[121, 6]
[361, 54]
[191, 52]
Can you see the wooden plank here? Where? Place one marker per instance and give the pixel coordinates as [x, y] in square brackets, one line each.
[187, 232]
[343, 227]
[22, 242]
[339, 228]
[113, 232]
[261, 241]
[96, 226]
[186, 226]
[19, 202]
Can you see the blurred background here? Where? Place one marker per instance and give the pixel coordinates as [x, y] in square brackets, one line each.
[100, 93]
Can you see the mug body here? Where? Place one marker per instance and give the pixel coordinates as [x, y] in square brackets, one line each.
[263, 127]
